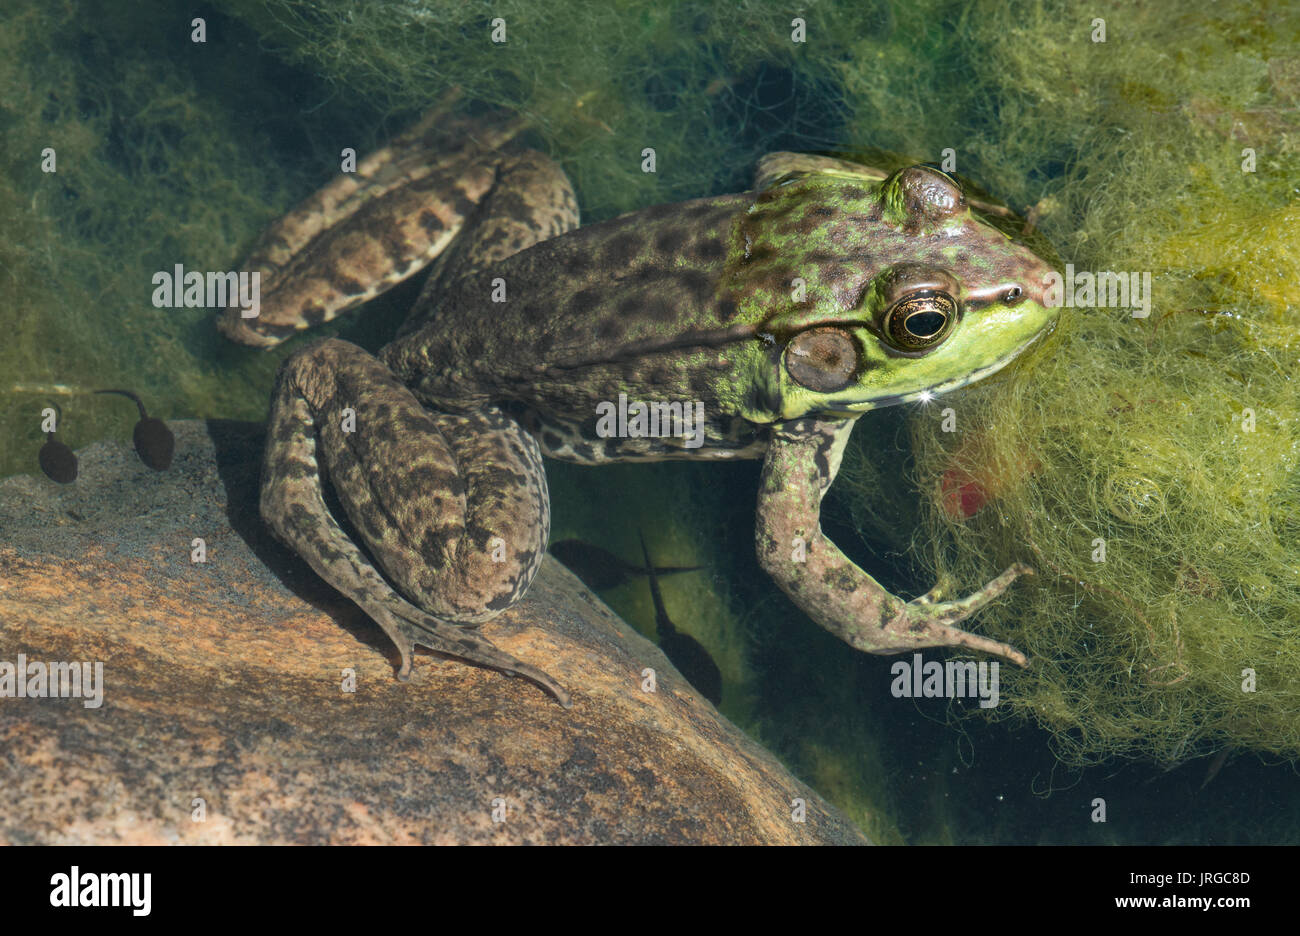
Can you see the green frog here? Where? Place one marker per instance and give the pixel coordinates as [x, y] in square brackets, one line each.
[757, 325]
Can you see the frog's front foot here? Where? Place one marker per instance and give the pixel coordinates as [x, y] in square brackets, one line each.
[801, 461]
[928, 622]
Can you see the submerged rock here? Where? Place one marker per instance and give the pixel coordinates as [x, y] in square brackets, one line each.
[225, 716]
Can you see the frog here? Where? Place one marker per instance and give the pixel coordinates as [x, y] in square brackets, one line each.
[779, 316]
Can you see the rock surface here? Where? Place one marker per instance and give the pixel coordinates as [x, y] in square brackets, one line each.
[224, 683]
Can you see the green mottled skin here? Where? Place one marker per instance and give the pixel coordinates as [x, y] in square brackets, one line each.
[718, 300]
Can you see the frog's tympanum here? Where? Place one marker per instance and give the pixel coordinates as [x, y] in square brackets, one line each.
[777, 316]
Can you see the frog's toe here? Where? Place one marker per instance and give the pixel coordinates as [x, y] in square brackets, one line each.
[935, 595]
[404, 671]
[415, 628]
[942, 635]
[950, 612]
[928, 622]
[408, 627]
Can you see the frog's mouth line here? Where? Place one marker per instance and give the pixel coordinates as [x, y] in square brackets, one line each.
[929, 393]
[977, 375]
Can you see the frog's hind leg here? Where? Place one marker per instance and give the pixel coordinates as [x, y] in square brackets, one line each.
[368, 230]
[531, 201]
[454, 509]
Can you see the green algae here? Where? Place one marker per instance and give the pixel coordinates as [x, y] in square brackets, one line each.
[1172, 441]
[157, 163]
[601, 82]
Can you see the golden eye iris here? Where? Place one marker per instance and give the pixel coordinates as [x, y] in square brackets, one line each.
[822, 359]
[920, 321]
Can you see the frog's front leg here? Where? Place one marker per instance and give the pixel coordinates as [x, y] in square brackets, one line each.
[453, 508]
[800, 465]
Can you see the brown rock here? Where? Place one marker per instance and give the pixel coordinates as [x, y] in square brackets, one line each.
[223, 682]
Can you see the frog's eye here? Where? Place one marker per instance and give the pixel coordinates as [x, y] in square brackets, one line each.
[822, 359]
[920, 320]
[1013, 295]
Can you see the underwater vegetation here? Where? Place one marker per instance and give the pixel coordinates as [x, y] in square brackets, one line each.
[152, 167]
[1147, 467]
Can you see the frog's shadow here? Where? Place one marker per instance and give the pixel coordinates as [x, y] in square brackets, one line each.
[238, 447]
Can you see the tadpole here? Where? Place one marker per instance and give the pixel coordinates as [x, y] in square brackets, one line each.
[154, 442]
[57, 460]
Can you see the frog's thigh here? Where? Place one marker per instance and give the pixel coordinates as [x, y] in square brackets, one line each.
[363, 234]
[532, 200]
[395, 453]
[453, 508]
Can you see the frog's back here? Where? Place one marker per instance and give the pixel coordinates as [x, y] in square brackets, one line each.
[604, 296]
[630, 310]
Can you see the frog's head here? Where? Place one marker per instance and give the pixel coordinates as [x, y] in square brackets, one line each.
[940, 299]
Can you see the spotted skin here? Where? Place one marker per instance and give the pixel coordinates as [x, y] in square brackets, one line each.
[412, 540]
[530, 327]
[830, 588]
[367, 231]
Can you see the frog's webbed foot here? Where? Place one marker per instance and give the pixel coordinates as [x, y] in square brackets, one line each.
[801, 461]
[927, 622]
[408, 627]
[454, 509]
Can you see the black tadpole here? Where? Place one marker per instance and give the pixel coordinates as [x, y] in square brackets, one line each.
[154, 442]
[685, 652]
[57, 460]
